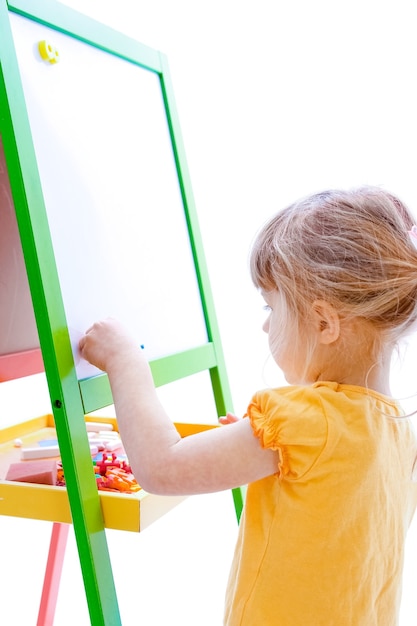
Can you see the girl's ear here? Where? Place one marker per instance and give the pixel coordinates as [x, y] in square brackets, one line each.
[326, 321]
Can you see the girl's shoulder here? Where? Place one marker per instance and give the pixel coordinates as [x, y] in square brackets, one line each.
[304, 421]
[325, 397]
[291, 401]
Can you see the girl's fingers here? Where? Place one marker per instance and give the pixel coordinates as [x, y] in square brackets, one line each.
[229, 418]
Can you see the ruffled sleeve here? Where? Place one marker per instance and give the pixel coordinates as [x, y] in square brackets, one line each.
[292, 421]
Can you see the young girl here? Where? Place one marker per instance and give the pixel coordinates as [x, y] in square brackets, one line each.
[328, 459]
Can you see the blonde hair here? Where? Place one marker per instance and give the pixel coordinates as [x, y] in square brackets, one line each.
[350, 248]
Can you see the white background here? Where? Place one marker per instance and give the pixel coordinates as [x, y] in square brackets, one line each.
[276, 100]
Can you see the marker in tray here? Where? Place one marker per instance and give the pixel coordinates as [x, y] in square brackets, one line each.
[46, 452]
[98, 427]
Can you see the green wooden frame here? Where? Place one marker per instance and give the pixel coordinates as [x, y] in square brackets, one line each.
[71, 398]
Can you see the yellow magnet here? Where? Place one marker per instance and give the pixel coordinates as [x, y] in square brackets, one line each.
[48, 52]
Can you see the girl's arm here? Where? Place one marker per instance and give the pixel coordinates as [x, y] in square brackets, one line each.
[163, 462]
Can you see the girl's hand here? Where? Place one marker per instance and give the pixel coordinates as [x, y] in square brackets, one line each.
[105, 343]
[229, 418]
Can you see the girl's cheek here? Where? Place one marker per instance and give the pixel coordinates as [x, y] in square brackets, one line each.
[274, 341]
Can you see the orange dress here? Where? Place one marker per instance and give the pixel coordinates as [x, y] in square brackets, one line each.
[321, 542]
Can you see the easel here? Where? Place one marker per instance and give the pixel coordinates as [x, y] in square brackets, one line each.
[72, 396]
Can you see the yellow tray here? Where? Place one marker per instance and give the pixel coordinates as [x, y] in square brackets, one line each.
[133, 512]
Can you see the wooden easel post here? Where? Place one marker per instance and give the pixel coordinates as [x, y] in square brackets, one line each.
[53, 572]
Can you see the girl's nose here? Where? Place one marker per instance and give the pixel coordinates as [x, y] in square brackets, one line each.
[265, 325]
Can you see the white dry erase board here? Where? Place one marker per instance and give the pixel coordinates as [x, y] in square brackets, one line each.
[112, 194]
